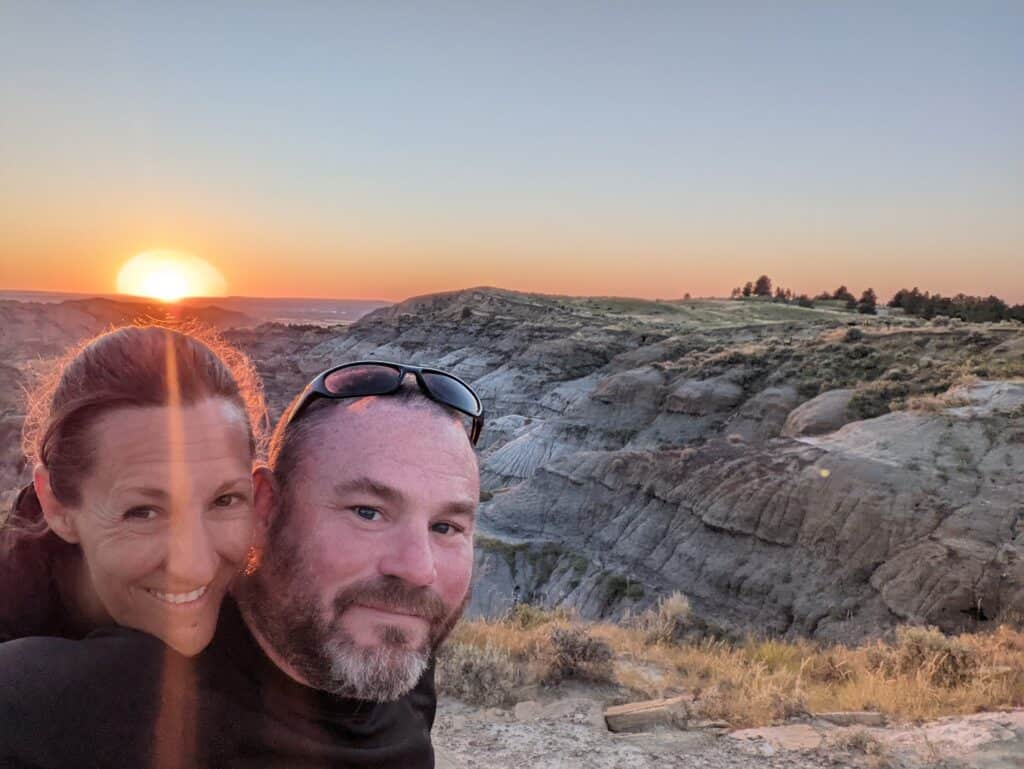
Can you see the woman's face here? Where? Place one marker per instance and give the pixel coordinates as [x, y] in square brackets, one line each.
[166, 516]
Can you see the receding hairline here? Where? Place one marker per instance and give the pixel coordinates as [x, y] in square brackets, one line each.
[289, 448]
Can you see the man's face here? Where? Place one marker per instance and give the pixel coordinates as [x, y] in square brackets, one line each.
[371, 565]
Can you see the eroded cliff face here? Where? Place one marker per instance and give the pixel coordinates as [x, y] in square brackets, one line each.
[759, 458]
[914, 517]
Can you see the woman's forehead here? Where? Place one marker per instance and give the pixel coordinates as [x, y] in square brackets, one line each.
[133, 439]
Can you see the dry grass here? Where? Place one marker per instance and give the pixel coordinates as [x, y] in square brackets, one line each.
[479, 675]
[666, 623]
[919, 675]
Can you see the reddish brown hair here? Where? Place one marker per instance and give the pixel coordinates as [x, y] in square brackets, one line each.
[128, 367]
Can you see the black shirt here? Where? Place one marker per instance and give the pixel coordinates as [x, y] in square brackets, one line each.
[120, 698]
[29, 599]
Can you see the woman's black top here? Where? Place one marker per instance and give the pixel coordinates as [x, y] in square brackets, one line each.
[30, 603]
[120, 698]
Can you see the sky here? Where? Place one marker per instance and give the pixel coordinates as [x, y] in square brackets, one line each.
[382, 150]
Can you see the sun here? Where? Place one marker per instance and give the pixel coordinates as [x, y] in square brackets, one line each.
[169, 275]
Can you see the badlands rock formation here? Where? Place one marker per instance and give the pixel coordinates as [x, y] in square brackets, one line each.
[788, 475]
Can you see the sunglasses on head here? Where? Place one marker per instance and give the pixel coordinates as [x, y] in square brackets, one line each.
[371, 377]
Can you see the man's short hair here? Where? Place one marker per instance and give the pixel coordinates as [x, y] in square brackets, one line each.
[289, 440]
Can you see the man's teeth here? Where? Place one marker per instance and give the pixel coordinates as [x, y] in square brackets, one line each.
[195, 595]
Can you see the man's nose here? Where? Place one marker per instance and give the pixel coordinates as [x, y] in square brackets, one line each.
[410, 557]
[191, 555]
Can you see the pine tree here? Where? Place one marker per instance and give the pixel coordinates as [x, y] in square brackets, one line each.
[868, 303]
[843, 294]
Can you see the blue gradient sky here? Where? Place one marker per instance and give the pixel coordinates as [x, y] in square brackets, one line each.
[385, 149]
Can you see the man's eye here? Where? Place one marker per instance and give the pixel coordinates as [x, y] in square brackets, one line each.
[141, 514]
[443, 527]
[226, 500]
[367, 513]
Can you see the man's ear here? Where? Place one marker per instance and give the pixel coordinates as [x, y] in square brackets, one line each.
[264, 492]
[57, 515]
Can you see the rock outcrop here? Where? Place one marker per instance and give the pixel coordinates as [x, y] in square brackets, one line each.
[907, 517]
[824, 414]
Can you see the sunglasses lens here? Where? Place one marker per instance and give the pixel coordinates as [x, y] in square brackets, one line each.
[368, 379]
[452, 392]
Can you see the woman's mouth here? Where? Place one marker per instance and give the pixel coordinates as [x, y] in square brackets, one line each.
[179, 598]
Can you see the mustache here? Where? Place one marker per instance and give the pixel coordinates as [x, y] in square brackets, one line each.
[392, 594]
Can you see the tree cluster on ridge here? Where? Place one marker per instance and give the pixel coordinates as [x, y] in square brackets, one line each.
[974, 309]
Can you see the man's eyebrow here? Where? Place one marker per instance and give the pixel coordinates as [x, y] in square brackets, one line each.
[467, 509]
[368, 485]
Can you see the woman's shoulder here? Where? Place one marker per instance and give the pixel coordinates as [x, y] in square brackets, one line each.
[109, 658]
[29, 604]
[74, 701]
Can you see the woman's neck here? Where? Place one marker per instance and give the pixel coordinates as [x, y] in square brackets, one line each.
[85, 611]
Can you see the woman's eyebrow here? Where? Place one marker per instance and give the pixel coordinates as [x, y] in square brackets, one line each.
[161, 495]
[234, 483]
[147, 491]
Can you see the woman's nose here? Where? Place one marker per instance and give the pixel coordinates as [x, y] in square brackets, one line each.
[191, 556]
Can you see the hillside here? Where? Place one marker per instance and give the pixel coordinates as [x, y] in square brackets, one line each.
[762, 459]
[797, 472]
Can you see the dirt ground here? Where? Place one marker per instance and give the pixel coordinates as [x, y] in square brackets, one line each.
[570, 733]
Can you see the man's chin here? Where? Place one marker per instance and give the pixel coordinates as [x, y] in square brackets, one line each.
[380, 672]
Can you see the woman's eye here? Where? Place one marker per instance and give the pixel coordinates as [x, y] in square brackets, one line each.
[226, 500]
[141, 514]
[367, 513]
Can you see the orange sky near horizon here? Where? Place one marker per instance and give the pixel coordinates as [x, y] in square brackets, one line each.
[393, 270]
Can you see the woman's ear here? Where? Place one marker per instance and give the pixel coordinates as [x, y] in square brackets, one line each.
[58, 516]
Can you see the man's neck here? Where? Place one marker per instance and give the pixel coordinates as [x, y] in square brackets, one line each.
[268, 648]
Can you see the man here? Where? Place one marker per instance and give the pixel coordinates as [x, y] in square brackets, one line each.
[325, 660]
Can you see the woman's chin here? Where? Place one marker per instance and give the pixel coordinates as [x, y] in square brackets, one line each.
[187, 642]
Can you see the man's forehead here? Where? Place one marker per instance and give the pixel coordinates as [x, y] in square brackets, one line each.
[350, 418]
[385, 432]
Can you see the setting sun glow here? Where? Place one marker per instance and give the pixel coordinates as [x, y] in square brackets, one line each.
[169, 275]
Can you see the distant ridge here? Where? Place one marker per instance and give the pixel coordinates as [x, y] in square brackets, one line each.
[291, 310]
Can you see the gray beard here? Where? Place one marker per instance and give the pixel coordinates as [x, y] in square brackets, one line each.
[380, 674]
[276, 602]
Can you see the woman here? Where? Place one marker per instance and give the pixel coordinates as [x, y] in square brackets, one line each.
[140, 508]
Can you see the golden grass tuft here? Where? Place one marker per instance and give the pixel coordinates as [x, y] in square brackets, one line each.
[666, 622]
[920, 675]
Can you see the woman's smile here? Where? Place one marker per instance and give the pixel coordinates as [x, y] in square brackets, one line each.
[179, 599]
